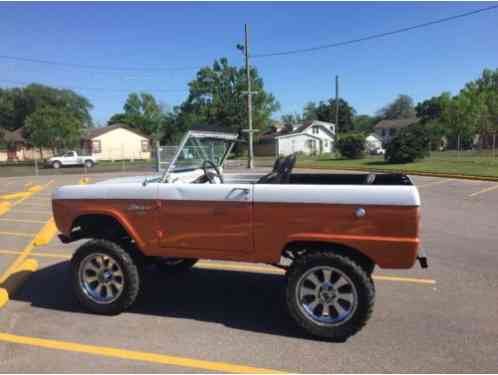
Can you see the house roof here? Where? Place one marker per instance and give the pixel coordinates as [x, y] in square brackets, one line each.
[13, 136]
[396, 124]
[96, 132]
[306, 125]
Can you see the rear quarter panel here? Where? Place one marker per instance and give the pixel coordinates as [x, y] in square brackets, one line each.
[388, 233]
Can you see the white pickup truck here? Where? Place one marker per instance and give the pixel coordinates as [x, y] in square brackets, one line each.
[71, 158]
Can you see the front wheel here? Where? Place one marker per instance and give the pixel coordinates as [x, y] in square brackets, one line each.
[174, 265]
[329, 295]
[105, 278]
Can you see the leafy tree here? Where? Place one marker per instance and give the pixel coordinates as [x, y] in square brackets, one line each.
[432, 109]
[216, 96]
[364, 123]
[401, 107]
[325, 111]
[483, 96]
[459, 118]
[310, 111]
[351, 145]
[52, 127]
[292, 118]
[18, 103]
[410, 144]
[143, 112]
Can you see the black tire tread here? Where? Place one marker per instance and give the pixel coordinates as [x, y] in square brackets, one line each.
[130, 269]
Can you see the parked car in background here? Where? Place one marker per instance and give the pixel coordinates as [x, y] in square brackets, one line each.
[373, 145]
[71, 158]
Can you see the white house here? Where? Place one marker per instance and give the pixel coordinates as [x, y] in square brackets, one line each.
[311, 138]
[117, 142]
[373, 143]
[388, 129]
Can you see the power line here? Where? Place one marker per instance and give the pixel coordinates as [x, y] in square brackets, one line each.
[96, 88]
[97, 67]
[375, 36]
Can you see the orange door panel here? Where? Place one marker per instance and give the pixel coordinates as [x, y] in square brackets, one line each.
[223, 222]
[206, 225]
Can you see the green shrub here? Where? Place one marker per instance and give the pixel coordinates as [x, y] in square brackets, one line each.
[410, 144]
[351, 145]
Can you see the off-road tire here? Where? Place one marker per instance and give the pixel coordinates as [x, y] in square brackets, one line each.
[56, 164]
[361, 280]
[130, 270]
[88, 163]
[185, 264]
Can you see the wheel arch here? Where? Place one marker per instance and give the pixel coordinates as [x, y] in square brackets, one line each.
[295, 248]
[109, 227]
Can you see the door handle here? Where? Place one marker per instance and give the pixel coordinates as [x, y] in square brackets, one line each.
[243, 190]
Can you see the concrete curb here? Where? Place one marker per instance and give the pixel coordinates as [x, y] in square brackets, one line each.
[414, 173]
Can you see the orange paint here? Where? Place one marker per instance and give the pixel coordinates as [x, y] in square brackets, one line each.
[255, 232]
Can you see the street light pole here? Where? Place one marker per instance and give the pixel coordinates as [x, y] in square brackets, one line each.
[250, 155]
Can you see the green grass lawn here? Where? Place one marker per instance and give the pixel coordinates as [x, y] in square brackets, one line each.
[448, 162]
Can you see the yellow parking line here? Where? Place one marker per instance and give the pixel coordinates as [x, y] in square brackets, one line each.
[18, 234]
[242, 268]
[4, 208]
[23, 221]
[404, 279]
[35, 204]
[491, 188]
[36, 254]
[33, 211]
[9, 286]
[435, 183]
[21, 264]
[261, 269]
[106, 351]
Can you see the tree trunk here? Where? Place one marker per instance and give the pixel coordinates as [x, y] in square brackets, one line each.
[458, 145]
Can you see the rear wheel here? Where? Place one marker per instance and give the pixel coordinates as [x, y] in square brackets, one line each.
[329, 295]
[88, 163]
[105, 278]
[173, 265]
[56, 164]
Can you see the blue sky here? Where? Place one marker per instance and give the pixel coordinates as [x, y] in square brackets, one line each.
[420, 63]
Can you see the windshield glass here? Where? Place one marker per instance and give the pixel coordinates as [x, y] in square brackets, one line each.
[197, 150]
[194, 149]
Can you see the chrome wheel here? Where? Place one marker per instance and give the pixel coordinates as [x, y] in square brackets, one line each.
[326, 295]
[101, 278]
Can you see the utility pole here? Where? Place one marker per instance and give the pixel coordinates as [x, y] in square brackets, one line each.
[337, 102]
[249, 93]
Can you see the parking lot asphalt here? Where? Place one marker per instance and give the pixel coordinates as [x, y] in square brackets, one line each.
[231, 317]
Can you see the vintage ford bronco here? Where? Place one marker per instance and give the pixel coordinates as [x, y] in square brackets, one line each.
[328, 231]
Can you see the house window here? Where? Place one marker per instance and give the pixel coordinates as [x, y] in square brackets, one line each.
[383, 132]
[315, 130]
[392, 132]
[326, 144]
[96, 147]
[145, 145]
